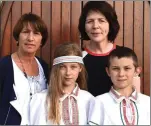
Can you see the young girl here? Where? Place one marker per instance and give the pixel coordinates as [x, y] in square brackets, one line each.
[122, 105]
[66, 102]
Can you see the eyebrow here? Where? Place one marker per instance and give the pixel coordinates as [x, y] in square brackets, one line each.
[124, 66]
[93, 18]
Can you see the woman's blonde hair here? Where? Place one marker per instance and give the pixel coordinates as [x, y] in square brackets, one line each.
[55, 84]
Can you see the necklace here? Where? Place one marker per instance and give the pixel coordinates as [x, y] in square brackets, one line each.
[136, 113]
[25, 74]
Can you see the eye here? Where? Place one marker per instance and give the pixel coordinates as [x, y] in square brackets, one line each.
[102, 20]
[115, 68]
[62, 66]
[25, 31]
[37, 33]
[127, 68]
[89, 21]
[74, 66]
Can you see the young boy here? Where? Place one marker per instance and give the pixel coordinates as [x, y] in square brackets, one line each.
[122, 105]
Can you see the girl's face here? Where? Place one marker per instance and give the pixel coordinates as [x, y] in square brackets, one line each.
[70, 73]
[97, 26]
[122, 71]
[29, 40]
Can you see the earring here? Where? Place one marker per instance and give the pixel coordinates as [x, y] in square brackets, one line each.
[17, 43]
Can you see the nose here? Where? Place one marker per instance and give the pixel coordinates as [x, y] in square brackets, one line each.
[96, 24]
[68, 71]
[30, 36]
[121, 72]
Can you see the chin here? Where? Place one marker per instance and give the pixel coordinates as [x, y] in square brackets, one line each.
[122, 86]
[97, 40]
[68, 83]
[29, 50]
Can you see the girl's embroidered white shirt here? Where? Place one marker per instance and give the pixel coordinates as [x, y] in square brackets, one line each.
[38, 108]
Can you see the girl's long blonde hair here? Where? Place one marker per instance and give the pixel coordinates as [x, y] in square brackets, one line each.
[55, 83]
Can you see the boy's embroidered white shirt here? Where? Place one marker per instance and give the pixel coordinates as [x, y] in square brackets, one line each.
[128, 109]
[118, 97]
[105, 109]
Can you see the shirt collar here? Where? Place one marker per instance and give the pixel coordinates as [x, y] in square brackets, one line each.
[73, 94]
[118, 97]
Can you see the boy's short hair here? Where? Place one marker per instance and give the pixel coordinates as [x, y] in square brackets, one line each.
[107, 10]
[122, 52]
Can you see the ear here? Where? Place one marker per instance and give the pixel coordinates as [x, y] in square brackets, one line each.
[107, 71]
[80, 69]
[138, 71]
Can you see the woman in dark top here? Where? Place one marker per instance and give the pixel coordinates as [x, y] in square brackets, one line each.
[98, 23]
[22, 74]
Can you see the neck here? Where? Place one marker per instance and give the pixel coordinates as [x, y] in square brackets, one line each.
[25, 57]
[126, 91]
[99, 48]
[68, 89]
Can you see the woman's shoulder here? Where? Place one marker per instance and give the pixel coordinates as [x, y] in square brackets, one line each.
[118, 46]
[84, 53]
[6, 64]
[41, 60]
[43, 63]
[5, 59]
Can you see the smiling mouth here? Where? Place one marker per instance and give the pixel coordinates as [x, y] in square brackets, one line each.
[29, 44]
[68, 79]
[122, 80]
[95, 34]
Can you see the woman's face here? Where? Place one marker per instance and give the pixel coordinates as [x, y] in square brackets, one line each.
[97, 26]
[29, 39]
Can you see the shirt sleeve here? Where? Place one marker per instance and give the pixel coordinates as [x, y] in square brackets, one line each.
[96, 114]
[2, 73]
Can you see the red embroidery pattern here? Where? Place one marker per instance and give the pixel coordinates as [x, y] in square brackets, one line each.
[125, 116]
[65, 111]
[115, 94]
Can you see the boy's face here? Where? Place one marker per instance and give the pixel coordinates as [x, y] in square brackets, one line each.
[122, 72]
